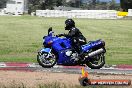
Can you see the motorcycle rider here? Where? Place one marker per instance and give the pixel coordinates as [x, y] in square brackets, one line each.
[75, 35]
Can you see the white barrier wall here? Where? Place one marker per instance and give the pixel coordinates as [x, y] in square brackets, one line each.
[129, 12]
[96, 14]
[16, 6]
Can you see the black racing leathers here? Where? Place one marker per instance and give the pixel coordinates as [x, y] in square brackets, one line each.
[77, 38]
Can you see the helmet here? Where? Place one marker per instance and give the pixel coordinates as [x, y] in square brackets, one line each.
[69, 24]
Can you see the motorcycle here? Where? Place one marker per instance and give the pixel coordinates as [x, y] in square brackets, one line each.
[59, 50]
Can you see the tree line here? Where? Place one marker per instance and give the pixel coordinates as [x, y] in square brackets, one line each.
[33, 5]
[89, 4]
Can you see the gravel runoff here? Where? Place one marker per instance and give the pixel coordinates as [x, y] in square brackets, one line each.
[33, 79]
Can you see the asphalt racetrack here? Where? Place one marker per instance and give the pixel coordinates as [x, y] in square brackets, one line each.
[120, 69]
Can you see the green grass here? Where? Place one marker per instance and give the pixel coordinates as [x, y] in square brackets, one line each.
[21, 37]
[59, 85]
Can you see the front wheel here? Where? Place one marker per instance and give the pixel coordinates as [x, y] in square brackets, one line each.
[46, 60]
[96, 62]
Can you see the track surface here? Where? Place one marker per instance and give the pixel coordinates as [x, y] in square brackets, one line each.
[120, 69]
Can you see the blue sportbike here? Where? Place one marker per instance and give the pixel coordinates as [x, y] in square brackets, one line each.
[59, 50]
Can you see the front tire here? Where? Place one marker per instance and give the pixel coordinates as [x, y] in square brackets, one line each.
[94, 63]
[46, 62]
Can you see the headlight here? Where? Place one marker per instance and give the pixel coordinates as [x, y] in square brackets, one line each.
[50, 42]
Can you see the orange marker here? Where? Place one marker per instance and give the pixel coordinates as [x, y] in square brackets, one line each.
[84, 74]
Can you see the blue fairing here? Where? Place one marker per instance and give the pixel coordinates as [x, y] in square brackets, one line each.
[47, 50]
[65, 60]
[91, 45]
[61, 44]
[58, 44]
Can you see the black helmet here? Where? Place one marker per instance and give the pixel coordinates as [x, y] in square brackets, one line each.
[69, 24]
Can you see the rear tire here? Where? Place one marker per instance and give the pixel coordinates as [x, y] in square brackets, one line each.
[92, 65]
[42, 60]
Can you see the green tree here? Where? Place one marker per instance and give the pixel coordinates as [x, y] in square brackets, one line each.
[112, 4]
[40, 4]
[3, 3]
[99, 5]
[33, 5]
[44, 4]
[126, 4]
[70, 4]
[89, 4]
[102, 5]
[93, 4]
[60, 2]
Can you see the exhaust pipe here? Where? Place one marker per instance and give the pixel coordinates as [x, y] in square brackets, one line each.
[99, 51]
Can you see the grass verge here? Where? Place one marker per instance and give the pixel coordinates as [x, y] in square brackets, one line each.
[21, 37]
[58, 85]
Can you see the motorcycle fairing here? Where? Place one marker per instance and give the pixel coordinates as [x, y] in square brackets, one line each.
[61, 44]
[91, 45]
[65, 60]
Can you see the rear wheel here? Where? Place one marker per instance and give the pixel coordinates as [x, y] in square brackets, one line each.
[46, 60]
[96, 62]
